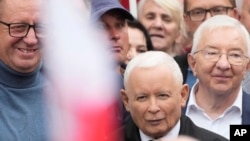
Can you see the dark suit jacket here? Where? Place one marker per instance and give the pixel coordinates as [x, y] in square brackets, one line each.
[131, 131]
[183, 64]
[246, 108]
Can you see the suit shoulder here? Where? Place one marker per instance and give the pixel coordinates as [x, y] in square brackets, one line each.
[190, 129]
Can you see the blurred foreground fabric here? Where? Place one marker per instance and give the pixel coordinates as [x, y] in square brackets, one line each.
[80, 71]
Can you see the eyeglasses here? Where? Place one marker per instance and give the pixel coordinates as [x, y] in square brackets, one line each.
[20, 30]
[233, 57]
[200, 14]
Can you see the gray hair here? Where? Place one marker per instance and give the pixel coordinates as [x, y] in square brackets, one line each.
[217, 22]
[151, 59]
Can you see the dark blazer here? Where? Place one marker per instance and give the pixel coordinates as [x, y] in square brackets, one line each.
[183, 64]
[245, 108]
[131, 132]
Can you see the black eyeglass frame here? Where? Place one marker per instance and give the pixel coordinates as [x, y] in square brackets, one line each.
[27, 31]
[227, 8]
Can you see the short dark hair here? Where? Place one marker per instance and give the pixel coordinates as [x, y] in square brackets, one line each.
[136, 24]
[185, 4]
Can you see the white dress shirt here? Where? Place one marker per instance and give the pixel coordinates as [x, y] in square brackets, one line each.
[220, 125]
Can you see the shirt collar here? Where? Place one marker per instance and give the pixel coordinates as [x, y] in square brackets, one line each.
[192, 101]
[238, 101]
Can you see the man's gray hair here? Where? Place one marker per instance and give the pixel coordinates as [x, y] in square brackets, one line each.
[220, 21]
[152, 59]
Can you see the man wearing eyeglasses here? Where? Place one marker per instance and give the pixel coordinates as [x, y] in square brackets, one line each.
[21, 81]
[195, 13]
[219, 59]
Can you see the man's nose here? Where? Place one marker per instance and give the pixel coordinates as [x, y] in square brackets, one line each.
[31, 37]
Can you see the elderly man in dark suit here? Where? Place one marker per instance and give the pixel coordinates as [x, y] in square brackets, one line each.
[154, 95]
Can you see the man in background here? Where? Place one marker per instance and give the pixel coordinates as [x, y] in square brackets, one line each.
[110, 16]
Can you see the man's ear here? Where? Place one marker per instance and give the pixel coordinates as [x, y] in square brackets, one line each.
[236, 14]
[192, 63]
[125, 99]
[184, 94]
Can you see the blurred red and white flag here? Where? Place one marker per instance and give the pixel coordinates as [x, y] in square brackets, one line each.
[81, 72]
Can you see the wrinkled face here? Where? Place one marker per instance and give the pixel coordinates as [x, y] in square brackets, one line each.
[245, 14]
[205, 4]
[220, 77]
[137, 42]
[162, 27]
[117, 31]
[21, 54]
[154, 101]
